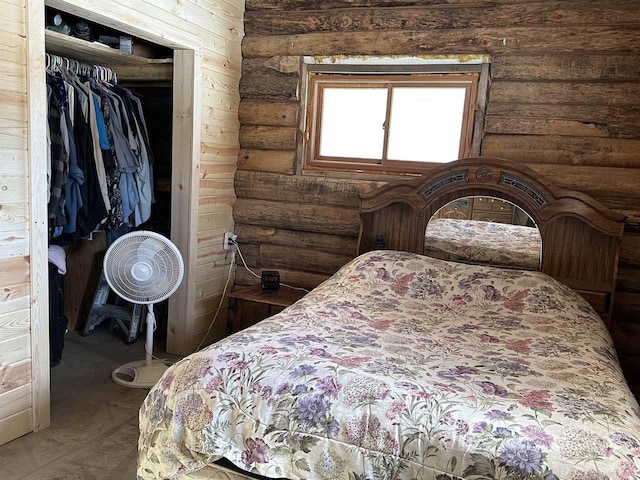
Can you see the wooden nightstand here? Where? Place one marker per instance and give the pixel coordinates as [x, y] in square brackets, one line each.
[249, 305]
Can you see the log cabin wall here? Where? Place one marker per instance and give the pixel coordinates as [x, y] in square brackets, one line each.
[563, 100]
[217, 29]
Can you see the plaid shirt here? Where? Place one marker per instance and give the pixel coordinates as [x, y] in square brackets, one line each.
[57, 107]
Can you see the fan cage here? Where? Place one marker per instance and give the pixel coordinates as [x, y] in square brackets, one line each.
[143, 267]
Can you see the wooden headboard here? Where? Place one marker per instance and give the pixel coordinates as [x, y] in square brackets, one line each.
[580, 236]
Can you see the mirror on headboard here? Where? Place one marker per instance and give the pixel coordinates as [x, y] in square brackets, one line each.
[484, 230]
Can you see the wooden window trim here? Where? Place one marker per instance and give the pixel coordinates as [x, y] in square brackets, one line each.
[470, 135]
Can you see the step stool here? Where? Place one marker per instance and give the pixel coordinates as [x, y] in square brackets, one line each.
[127, 317]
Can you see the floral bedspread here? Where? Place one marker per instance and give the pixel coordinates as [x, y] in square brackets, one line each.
[405, 367]
[489, 243]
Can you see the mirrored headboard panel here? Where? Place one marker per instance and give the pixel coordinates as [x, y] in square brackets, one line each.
[580, 237]
[486, 231]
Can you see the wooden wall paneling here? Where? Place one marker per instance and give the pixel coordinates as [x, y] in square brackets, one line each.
[269, 112]
[513, 125]
[217, 18]
[217, 154]
[567, 67]
[16, 394]
[298, 216]
[16, 74]
[222, 185]
[301, 258]
[274, 161]
[597, 7]
[450, 16]
[15, 375]
[268, 78]
[15, 425]
[184, 188]
[211, 221]
[464, 41]
[14, 130]
[24, 399]
[564, 150]
[595, 181]
[219, 201]
[567, 120]
[269, 86]
[15, 401]
[14, 324]
[12, 155]
[38, 254]
[630, 249]
[265, 137]
[14, 244]
[628, 278]
[324, 242]
[574, 93]
[318, 190]
[14, 216]
[17, 407]
[251, 256]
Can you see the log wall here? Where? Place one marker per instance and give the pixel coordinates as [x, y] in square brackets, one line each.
[563, 100]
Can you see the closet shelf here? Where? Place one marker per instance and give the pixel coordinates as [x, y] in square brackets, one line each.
[127, 66]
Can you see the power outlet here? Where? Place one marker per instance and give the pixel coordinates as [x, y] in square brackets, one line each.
[229, 238]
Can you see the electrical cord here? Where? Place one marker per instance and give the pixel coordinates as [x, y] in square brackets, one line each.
[237, 247]
[226, 286]
[224, 293]
[235, 244]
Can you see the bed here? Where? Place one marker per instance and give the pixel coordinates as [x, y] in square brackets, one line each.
[402, 366]
[483, 242]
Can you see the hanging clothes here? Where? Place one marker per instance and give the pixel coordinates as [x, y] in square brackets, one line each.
[59, 168]
[100, 172]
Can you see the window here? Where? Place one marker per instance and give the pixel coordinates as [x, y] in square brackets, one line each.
[394, 122]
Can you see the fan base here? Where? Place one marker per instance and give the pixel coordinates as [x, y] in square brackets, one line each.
[138, 374]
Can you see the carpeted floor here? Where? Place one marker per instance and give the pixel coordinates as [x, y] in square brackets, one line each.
[94, 421]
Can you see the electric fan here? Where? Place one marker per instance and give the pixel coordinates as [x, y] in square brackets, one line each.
[143, 267]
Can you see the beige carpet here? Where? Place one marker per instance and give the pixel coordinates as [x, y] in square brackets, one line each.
[94, 421]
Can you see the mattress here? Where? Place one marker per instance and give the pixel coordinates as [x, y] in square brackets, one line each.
[401, 366]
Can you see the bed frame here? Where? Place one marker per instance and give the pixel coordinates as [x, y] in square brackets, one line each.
[580, 236]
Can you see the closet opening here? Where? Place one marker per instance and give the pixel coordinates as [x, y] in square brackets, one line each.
[146, 71]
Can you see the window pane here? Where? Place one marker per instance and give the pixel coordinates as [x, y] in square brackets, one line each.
[352, 122]
[426, 123]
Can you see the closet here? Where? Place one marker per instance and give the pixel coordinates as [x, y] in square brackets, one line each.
[145, 71]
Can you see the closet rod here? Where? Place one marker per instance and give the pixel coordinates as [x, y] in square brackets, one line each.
[56, 63]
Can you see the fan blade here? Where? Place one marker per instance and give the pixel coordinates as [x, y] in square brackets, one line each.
[149, 248]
